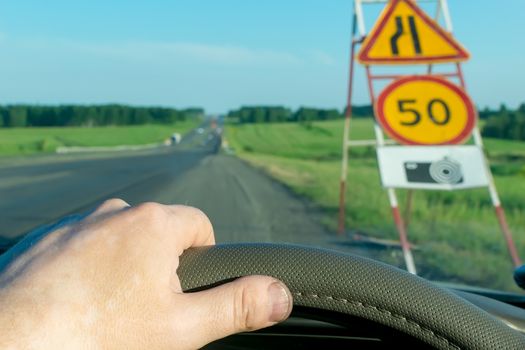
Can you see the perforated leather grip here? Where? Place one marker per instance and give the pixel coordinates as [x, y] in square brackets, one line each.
[354, 286]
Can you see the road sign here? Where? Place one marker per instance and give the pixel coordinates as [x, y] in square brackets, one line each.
[425, 110]
[432, 168]
[404, 34]
[417, 110]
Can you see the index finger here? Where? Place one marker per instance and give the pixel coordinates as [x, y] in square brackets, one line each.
[194, 227]
[178, 227]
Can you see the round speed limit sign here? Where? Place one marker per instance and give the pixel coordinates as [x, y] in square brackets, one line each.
[425, 110]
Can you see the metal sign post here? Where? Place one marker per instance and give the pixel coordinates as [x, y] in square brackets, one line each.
[392, 197]
[404, 34]
[346, 131]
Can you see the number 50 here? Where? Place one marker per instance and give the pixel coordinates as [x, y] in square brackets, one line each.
[404, 106]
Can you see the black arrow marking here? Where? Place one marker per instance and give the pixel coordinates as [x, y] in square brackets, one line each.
[415, 36]
[396, 36]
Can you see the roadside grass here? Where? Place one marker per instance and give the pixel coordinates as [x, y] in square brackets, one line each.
[456, 233]
[31, 140]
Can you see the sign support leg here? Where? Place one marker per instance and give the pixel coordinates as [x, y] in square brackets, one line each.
[408, 207]
[405, 245]
[398, 219]
[500, 213]
[346, 133]
[342, 186]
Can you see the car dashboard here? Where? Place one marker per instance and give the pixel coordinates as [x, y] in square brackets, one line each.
[312, 329]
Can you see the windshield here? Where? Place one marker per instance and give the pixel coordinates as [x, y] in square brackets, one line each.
[392, 130]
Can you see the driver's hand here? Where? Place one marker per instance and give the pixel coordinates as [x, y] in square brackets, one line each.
[108, 280]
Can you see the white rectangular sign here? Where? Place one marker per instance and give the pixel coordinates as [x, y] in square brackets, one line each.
[432, 167]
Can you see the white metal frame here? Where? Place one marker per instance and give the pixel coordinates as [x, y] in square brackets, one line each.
[441, 9]
[359, 26]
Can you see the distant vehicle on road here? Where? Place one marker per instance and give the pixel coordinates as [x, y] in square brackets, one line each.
[175, 138]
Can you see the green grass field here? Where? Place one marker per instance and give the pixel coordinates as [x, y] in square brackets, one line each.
[23, 141]
[456, 233]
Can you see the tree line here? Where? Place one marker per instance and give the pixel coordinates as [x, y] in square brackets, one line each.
[92, 115]
[276, 114]
[504, 123]
[498, 123]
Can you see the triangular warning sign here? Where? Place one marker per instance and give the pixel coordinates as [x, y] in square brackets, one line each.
[404, 34]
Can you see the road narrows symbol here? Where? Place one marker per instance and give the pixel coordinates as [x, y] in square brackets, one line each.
[415, 35]
[400, 32]
[405, 34]
[396, 36]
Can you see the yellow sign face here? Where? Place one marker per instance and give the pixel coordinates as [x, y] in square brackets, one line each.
[404, 34]
[425, 110]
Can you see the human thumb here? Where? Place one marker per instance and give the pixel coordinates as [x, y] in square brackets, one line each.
[246, 304]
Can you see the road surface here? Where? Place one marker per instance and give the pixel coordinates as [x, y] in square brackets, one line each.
[243, 204]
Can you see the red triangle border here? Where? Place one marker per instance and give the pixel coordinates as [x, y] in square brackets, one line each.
[363, 53]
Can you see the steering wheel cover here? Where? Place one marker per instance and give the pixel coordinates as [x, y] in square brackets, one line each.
[355, 286]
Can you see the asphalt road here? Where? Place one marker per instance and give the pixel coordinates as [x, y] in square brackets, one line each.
[243, 204]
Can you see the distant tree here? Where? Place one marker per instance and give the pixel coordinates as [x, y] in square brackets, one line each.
[278, 114]
[515, 130]
[75, 115]
[3, 116]
[17, 117]
[305, 114]
[64, 115]
[364, 111]
[193, 112]
[259, 114]
[274, 114]
[126, 115]
[234, 116]
[50, 116]
[485, 113]
[329, 114]
[494, 127]
[245, 115]
[91, 117]
[506, 124]
[111, 115]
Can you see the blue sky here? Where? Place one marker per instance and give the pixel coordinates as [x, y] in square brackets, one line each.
[223, 54]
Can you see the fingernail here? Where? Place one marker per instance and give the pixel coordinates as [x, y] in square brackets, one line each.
[280, 301]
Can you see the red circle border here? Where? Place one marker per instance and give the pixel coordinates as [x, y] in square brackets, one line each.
[461, 138]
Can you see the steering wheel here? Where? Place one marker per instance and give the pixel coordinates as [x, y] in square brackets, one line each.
[352, 286]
